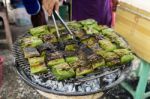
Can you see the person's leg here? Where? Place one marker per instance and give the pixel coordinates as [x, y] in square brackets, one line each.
[39, 19]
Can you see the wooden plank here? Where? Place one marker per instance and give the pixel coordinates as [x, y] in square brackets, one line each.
[136, 31]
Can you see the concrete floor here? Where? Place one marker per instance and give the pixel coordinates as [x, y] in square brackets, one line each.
[13, 87]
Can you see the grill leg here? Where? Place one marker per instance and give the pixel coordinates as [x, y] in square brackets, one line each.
[143, 74]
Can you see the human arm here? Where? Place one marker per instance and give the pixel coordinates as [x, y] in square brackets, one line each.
[50, 5]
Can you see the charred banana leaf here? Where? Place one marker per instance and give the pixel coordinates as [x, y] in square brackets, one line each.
[127, 58]
[98, 63]
[30, 52]
[49, 38]
[107, 45]
[37, 64]
[111, 58]
[39, 30]
[44, 47]
[63, 71]
[89, 41]
[122, 52]
[87, 22]
[31, 41]
[83, 70]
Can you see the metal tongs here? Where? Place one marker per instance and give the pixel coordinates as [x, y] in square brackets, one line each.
[63, 22]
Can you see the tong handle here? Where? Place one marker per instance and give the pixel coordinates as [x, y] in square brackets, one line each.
[64, 23]
[57, 31]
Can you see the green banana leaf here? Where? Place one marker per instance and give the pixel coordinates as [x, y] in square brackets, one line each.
[62, 71]
[107, 45]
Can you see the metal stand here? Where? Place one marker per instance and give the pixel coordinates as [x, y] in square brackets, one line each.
[143, 73]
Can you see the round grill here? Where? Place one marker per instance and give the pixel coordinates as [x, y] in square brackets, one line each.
[100, 80]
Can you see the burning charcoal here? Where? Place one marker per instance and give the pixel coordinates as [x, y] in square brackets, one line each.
[31, 41]
[49, 38]
[62, 71]
[122, 52]
[127, 58]
[30, 52]
[60, 86]
[80, 89]
[98, 63]
[37, 65]
[83, 70]
[39, 30]
[70, 88]
[107, 45]
[110, 78]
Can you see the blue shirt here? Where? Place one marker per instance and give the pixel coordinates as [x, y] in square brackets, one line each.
[32, 6]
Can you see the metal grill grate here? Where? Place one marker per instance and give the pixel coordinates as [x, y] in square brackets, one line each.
[40, 81]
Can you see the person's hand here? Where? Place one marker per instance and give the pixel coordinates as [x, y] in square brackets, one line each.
[50, 5]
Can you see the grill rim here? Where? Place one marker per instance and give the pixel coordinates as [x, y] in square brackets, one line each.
[39, 87]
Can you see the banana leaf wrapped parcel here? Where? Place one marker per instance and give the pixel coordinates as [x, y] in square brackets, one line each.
[70, 56]
[107, 45]
[54, 58]
[83, 70]
[95, 46]
[31, 41]
[30, 52]
[37, 64]
[49, 38]
[39, 30]
[63, 71]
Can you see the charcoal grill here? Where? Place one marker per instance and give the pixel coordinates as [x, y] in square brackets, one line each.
[45, 81]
